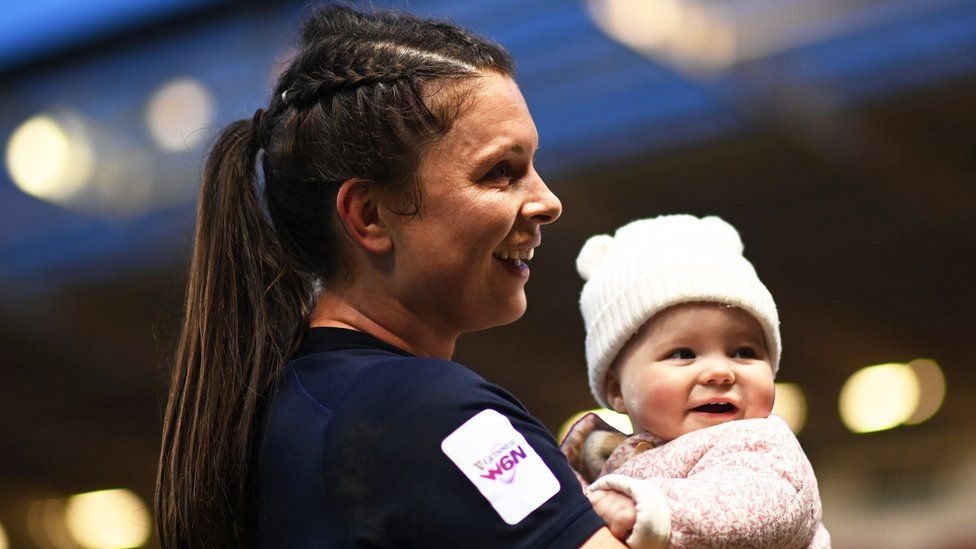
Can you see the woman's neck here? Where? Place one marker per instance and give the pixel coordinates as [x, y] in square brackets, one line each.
[389, 322]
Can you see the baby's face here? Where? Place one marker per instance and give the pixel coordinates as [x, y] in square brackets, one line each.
[692, 366]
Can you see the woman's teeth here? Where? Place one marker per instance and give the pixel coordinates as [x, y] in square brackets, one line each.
[516, 255]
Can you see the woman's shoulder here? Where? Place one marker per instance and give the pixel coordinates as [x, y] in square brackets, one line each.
[342, 378]
[439, 386]
[386, 367]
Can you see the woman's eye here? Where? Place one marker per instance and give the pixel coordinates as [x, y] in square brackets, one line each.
[744, 352]
[501, 171]
[682, 354]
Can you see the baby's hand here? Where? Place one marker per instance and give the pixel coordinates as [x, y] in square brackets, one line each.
[633, 504]
[616, 509]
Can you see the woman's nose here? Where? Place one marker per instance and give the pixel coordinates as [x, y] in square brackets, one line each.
[541, 206]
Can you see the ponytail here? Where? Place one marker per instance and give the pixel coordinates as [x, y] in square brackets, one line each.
[246, 306]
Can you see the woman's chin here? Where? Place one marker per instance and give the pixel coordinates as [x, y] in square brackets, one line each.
[516, 313]
[507, 312]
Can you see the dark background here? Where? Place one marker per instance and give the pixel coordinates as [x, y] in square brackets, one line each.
[847, 162]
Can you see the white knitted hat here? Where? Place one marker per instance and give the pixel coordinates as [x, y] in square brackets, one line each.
[652, 264]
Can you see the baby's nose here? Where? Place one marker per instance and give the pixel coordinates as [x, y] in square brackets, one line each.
[719, 372]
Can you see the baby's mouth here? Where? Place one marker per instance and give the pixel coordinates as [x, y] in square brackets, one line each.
[716, 408]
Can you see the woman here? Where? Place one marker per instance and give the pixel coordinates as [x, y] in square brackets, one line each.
[398, 180]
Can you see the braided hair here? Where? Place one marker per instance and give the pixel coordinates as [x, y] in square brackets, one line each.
[355, 102]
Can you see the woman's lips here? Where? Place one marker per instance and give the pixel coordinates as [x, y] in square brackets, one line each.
[516, 260]
[516, 266]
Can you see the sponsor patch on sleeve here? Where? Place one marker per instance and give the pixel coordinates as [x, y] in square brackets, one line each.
[501, 464]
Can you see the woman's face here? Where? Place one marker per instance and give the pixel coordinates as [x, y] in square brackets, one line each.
[461, 264]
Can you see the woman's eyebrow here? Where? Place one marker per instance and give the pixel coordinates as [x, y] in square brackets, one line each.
[499, 148]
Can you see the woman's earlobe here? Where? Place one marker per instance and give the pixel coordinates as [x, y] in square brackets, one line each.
[358, 209]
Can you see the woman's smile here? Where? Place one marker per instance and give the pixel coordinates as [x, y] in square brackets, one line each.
[516, 260]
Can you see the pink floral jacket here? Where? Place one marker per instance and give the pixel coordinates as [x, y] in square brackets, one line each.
[744, 483]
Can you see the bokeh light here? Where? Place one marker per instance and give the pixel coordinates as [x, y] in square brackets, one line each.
[46, 524]
[125, 184]
[4, 542]
[694, 37]
[108, 519]
[50, 157]
[178, 113]
[640, 25]
[616, 420]
[932, 389]
[791, 405]
[879, 397]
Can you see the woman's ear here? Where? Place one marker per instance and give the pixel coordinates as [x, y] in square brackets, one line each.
[358, 209]
[615, 395]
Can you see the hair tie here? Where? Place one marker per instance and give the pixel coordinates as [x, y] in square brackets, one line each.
[258, 120]
[257, 123]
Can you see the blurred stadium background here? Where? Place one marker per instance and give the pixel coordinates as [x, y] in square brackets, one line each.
[839, 136]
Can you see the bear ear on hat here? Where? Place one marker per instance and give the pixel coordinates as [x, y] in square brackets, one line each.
[722, 235]
[592, 255]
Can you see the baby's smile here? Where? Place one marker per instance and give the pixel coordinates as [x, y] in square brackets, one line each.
[722, 407]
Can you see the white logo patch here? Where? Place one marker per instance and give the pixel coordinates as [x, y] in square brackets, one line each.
[501, 464]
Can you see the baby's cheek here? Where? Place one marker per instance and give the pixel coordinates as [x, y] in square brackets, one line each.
[639, 398]
[762, 404]
[664, 397]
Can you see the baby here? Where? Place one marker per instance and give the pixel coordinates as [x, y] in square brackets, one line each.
[683, 337]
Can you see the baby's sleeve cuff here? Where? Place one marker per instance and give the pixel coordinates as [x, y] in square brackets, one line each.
[652, 528]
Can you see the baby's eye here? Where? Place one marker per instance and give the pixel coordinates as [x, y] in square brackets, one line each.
[744, 352]
[682, 354]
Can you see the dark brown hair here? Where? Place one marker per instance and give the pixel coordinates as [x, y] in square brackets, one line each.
[354, 103]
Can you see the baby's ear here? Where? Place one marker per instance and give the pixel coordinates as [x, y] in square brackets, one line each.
[614, 394]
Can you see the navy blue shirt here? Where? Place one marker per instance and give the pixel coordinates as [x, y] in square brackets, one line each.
[350, 455]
